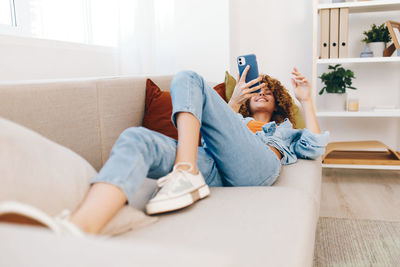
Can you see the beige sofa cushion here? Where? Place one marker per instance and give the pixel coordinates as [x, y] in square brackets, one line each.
[121, 105]
[37, 171]
[261, 226]
[66, 112]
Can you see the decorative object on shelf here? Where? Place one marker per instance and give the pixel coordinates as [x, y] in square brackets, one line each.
[336, 83]
[337, 80]
[394, 30]
[338, 1]
[388, 52]
[376, 38]
[367, 52]
[360, 153]
[352, 104]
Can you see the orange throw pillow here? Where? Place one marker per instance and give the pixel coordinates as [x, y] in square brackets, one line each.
[158, 109]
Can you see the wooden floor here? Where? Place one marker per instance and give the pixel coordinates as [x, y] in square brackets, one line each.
[360, 194]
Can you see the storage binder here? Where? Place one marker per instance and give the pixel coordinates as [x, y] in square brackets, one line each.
[324, 33]
[334, 33]
[343, 32]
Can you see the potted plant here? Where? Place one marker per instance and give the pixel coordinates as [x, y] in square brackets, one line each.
[376, 38]
[336, 82]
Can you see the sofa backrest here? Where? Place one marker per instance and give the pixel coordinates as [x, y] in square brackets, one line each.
[85, 115]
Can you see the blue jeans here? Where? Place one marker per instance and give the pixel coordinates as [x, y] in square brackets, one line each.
[232, 154]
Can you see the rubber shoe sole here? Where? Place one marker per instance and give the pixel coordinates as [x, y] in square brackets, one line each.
[177, 203]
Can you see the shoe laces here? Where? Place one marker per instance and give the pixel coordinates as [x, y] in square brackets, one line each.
[169, 181]
[164, 180]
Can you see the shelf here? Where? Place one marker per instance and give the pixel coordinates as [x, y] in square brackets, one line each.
[369, 167]
[357, 60]
[358, 114]
[361, 7]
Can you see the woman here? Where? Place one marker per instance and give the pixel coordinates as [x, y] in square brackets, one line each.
[230, 155]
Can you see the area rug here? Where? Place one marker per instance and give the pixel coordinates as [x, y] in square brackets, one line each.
[358, 243]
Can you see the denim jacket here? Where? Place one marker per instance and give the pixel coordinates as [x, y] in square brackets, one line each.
[291, 143]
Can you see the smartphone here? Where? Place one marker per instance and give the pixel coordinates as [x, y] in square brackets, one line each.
[252, 74]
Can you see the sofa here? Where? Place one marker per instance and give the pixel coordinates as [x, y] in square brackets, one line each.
[234, 226]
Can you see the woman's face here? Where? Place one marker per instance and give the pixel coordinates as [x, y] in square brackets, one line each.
[264, 101]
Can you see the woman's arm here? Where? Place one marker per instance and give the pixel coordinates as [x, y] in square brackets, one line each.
[234, 106]
[302, 90]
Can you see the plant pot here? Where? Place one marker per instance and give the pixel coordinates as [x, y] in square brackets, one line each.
[377, 48]
[334, 102]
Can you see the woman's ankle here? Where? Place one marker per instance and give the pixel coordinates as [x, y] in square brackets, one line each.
[186, 167]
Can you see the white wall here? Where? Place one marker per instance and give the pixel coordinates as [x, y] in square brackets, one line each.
[202, 37]
[278, 32]
[24, 58]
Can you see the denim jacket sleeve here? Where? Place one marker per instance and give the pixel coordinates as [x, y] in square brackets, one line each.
[309, 145]
[294, 143]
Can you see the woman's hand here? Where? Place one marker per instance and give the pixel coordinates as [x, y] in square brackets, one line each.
[302, 88]
[242, 90]
[302, 91]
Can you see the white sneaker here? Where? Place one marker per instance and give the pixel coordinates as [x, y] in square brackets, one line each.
[20, 213]
[177, 190]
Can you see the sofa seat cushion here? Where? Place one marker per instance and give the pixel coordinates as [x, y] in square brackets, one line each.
[261, 226]
[308, 182]
[22, 249]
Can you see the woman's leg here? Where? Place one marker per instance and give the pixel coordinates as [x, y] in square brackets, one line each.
[188, 139]
[241, 157]
[100, 205]
[138, 153]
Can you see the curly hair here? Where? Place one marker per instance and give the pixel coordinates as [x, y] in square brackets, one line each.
[283, 102]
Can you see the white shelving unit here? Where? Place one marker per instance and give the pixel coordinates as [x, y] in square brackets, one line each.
[357, 60]
[359, 114]
[357, 7]
[364, 6]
